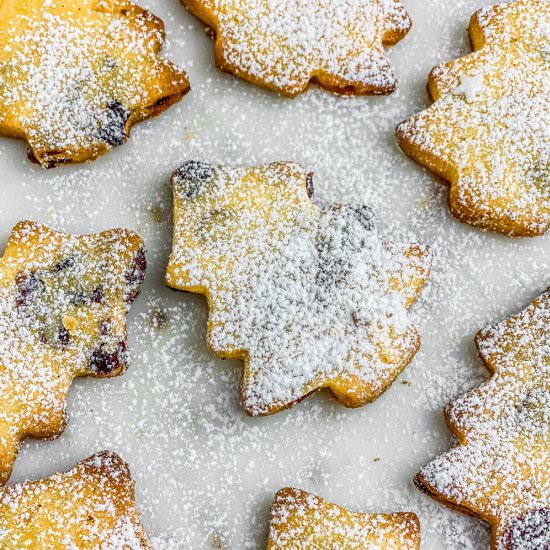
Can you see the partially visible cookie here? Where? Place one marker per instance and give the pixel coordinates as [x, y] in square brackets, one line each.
[285, 44]
[63, 305]
[501, 471]
[90, 507]
[75, 75]
[487, 132]
[308, 295]
[302, 521]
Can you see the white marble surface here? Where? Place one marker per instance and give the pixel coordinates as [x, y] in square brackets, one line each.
[205, 472]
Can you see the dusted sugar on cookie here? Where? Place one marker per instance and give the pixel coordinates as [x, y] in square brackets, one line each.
[501, 470]
[302, 521]
[308, 294]
[89, 507]
[63, 304]
[488, 131]
[75, 75]
[283, 44]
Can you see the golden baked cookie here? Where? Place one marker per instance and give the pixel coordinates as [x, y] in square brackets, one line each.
[307, 294]
[63, 303]
[501, 471]
[302, 521]
[487, 132]
[284, 44]
[90, 507]
[75, 75]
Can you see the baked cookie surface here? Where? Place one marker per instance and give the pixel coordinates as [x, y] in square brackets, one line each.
[75, 75]
[487, 132]
[63, 304]
[307, 295]
[89, 507]
[283, 44]
[501, 472]
[303, 521]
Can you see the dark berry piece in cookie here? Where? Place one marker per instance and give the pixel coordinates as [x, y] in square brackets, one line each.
[135, 276]
[64, 336]
[309, 185]
[363, 214]
[97, 296]
[66, 263]
[103, 362]
[113, 124]
[28, 284]
[530, 531]
[191, 177]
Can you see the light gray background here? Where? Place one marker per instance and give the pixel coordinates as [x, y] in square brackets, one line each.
[205, 472]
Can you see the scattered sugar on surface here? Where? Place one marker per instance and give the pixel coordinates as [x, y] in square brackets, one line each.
[206, 474]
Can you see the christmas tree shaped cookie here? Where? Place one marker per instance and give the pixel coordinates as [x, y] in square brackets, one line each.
[302, 521]
[487, 132]
[90, 507]
[75, 75]
[63, 303]
[307, 295]
[501, 470]
[285, 44]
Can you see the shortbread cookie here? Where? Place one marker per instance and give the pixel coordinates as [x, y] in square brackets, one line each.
[307, 295]
[501, 470]
[91, 507]
[302, 521]
[487, 132]
[76, 74]
[283, 44]
[63, 302]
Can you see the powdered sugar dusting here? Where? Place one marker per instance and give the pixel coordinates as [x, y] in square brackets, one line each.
[470, 87]
[285, 44]
[309, 295]
[63, 301]
[205, 472]
[501, 472]
[74, 78]
[302, 521]
[488, 131]
[89, 507]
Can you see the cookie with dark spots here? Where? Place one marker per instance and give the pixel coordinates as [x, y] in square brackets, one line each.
[500, 472]
[308, 295]
[76, 75]
[285, 44]
[63, 305]
[89, 507]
